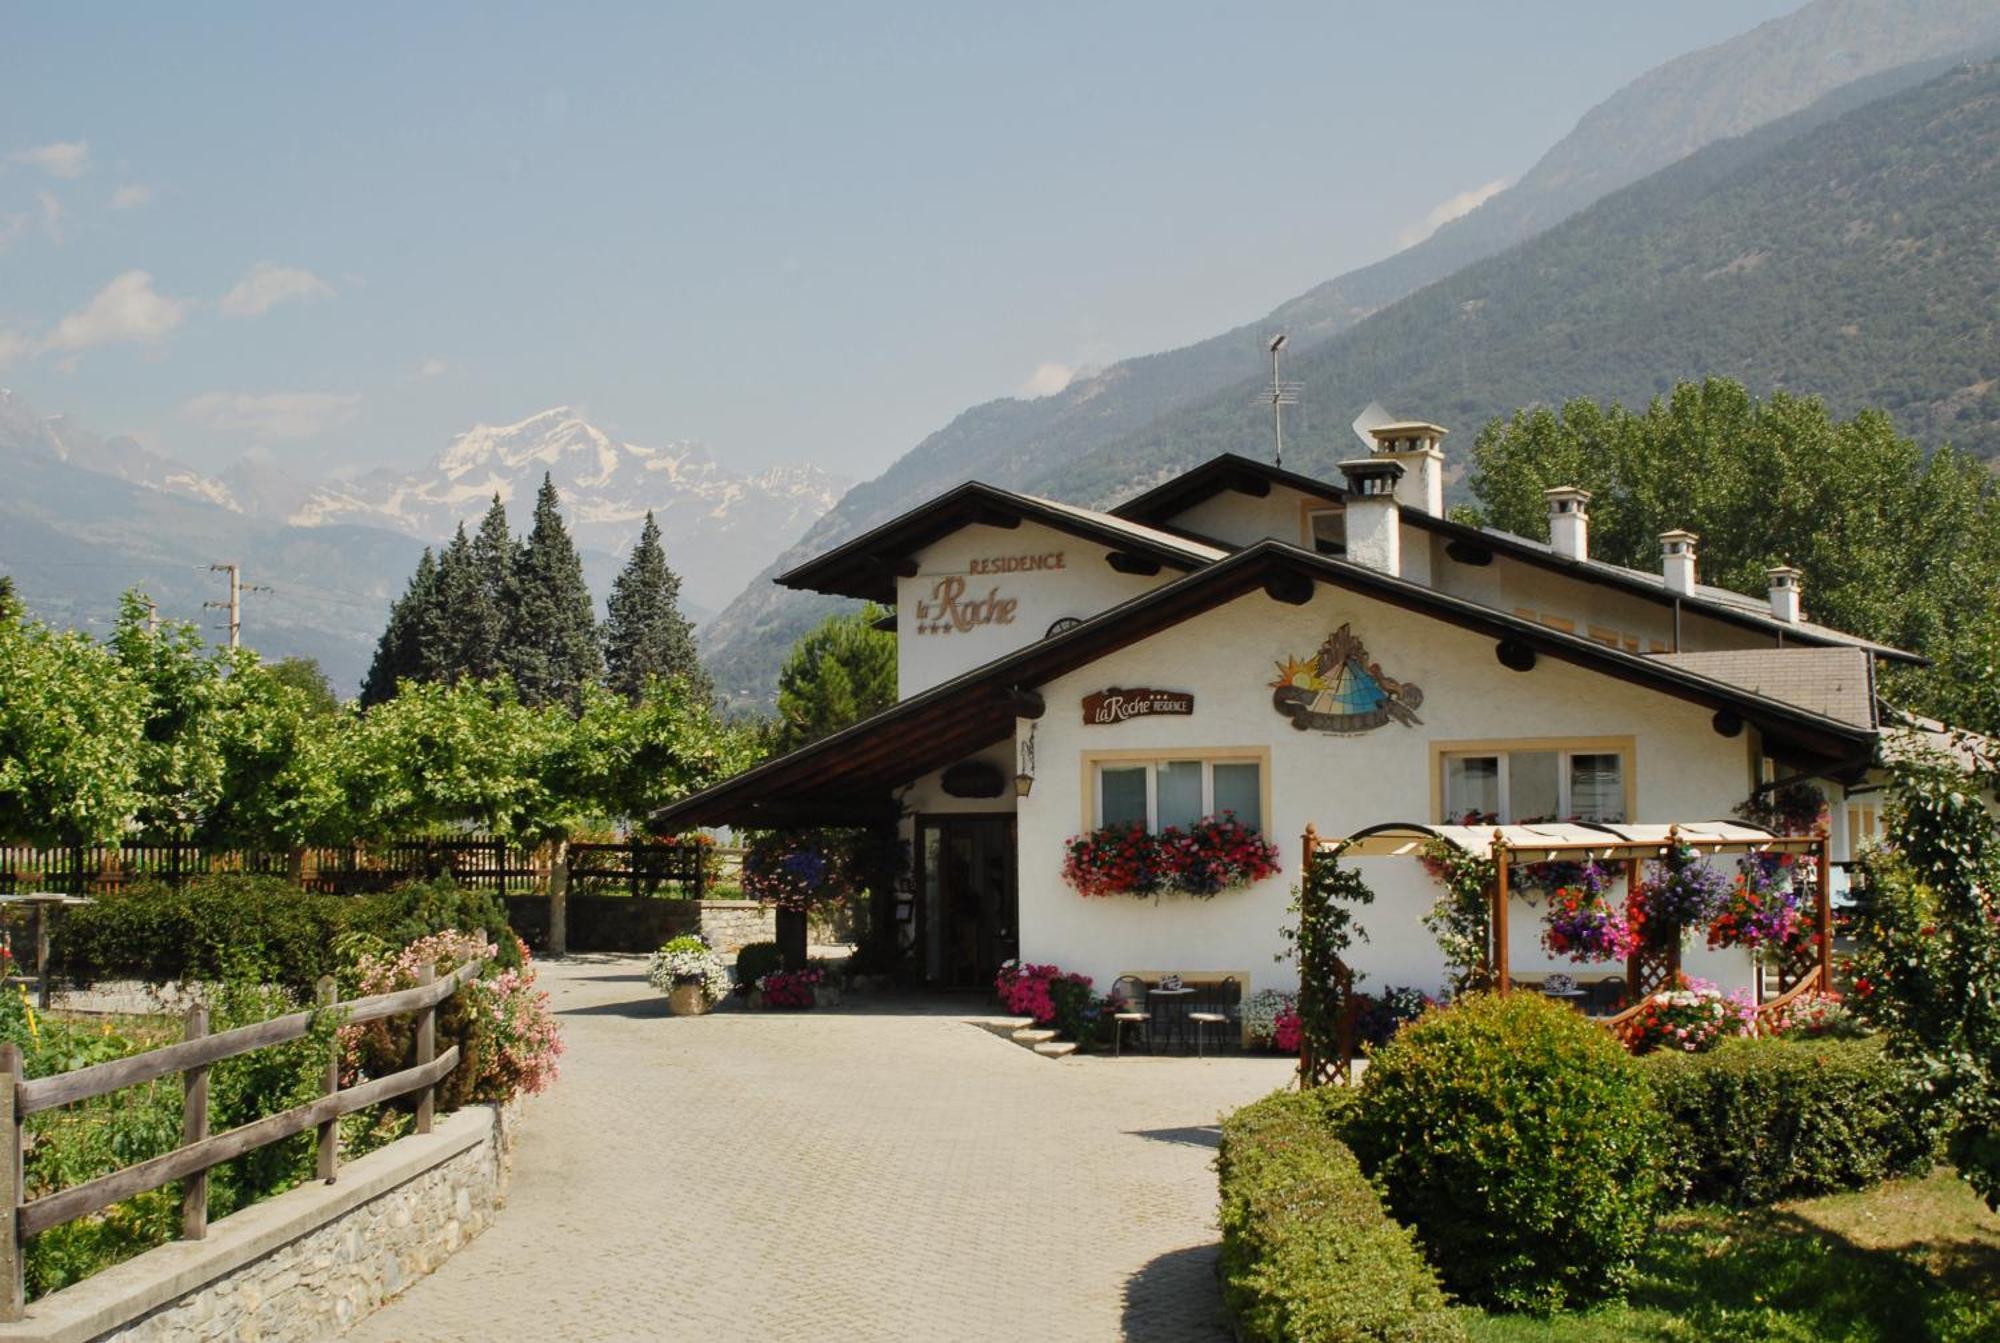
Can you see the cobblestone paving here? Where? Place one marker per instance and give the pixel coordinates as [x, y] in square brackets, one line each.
[884, 1171]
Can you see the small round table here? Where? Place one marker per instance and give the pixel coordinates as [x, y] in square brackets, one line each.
[1174, 1009]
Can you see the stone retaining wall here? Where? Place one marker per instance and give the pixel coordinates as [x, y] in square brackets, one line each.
[308, 1263]
[642, 923]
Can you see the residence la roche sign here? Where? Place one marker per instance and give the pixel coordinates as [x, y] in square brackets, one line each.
[1117, 706]
[956, 605]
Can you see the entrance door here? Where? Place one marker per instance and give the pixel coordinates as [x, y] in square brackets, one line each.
[969, 900]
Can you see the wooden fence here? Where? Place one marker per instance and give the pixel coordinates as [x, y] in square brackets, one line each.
[200, 1150]
[635, 868]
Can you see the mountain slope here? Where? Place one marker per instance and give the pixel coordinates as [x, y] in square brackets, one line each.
[1778, 68]
[1853, 261]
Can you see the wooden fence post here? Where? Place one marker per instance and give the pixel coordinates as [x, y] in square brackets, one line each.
[559, 900]
[329, 1132]
[194, 1127]
[42, 957]
[1503, 974]
[426, 1047]
[13, 1282]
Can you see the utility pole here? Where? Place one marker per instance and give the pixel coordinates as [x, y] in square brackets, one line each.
[237, 587]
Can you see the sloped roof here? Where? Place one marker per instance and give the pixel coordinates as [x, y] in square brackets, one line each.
[1232, 471]
[848, 777]
[1837, 682]
[867, 565]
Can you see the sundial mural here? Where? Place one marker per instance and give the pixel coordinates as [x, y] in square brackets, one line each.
[1339, 689]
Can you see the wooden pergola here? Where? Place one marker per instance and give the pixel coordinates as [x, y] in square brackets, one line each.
[1627, 846]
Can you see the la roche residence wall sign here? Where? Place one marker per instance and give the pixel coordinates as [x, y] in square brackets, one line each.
[1341, 689]
[955, 604]
[1117, 706]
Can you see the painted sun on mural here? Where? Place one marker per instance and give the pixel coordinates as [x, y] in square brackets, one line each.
[1339, 689]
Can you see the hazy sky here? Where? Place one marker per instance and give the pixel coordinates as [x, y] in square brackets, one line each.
[341, 233]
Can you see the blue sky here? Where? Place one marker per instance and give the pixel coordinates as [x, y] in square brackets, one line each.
[337, 235]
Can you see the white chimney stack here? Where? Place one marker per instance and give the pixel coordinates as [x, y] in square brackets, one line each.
[1569, 525]
[1677, 561]
[1374, 518]
[1413, 445]
[1785, 591]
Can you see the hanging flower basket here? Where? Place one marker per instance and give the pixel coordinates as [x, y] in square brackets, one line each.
[1763, 908]
[1680, 892]
[1213, 855]
[785, 873]
[1584, 924]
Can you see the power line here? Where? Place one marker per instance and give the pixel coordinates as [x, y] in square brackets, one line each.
[237, 587]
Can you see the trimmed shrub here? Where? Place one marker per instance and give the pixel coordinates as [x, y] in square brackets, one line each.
[1519, 1140]
[754, 961]
[261, 927]
[1308, 1256]
[1756, 1121]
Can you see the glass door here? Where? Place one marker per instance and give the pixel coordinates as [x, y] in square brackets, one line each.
[970, 903]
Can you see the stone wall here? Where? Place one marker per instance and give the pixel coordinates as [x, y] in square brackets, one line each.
[642, 923]
[308, 1263]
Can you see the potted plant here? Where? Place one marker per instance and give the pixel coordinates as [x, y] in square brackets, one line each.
[689, 972]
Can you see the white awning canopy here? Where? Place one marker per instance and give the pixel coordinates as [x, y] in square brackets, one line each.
[1570, 839]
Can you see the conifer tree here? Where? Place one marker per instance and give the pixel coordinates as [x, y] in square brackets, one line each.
[551, 645]
[645, 633]
[399, 654]
[494, 556]
[472, 624]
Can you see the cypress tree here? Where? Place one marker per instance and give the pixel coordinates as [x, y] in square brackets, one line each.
[645, 633]
[551, 646]
[400, 654]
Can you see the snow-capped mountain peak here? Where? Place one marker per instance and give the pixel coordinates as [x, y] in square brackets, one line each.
[716, 520]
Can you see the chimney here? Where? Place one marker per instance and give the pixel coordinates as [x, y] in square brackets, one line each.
[1785, 593]
[1569, 525]
[1413, 445]
[1374, 517]
[1677, 561]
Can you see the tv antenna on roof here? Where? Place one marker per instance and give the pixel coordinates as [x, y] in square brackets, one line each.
[1282, 394]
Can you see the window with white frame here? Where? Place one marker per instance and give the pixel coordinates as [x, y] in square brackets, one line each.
[1515, 786]
[1169, 792]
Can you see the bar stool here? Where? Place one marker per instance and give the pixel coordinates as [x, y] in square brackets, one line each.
[1217, 1014]
[1131, 991]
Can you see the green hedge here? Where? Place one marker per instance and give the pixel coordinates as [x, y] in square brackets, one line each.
[1755, 1121]
[1308, 1255]
[1521, 1143]
[229, 926]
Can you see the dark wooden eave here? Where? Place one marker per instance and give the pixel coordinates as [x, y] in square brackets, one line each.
[1227, 472]
[867, 566]
[851, 776]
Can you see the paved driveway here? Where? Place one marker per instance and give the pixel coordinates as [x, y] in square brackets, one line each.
[887, 1172]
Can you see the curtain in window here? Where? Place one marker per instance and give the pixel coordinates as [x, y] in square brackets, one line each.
[1180, 793]
[1124, 795]
[1597, 787]
[1239, 790]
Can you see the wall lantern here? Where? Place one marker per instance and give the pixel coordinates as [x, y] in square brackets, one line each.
[1024, 777]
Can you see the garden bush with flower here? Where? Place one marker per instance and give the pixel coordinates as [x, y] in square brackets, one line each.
[507, 1037]
[1215, 854]
[1689, 1018]
[689, 959]
[791, 988]
[1261, 1012]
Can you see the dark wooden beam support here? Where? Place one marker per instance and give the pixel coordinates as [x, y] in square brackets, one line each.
[1125, 562]
[1466, 552]
[1244, 482]
[1515, 655]
[1727, 723]
[987, 516]
[1290, 587]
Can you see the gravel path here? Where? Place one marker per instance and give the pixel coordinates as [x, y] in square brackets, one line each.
[885, 1171]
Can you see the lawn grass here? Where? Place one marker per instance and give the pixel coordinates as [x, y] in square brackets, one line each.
[1907, 1262]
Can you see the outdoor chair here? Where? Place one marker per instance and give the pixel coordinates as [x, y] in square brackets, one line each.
[1216, 1009]
[1131, 991]
[1606, 997]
